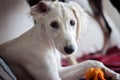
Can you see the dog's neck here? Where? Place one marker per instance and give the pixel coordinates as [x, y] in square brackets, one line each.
[35, 40]
[39, 34]
[36, 37]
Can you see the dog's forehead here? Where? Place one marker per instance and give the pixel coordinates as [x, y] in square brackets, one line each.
[61, 10]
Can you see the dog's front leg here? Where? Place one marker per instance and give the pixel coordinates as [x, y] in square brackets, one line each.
[77, 71]
[43, 66]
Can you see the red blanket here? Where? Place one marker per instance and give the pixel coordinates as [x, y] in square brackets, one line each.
[111, 59]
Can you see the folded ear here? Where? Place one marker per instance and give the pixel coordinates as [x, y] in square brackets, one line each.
[40, 9]
[81, 19]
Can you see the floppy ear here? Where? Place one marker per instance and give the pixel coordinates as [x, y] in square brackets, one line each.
[40, 10]
[81, 19]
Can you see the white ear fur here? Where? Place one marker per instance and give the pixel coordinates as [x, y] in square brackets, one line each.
[34, 13]
[81, 18]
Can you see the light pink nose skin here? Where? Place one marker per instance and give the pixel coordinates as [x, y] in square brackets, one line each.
[69, 49]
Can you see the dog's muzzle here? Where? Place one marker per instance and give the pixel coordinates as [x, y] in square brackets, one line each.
[69, 49]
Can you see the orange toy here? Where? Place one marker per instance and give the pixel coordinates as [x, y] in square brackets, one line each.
[95, 74]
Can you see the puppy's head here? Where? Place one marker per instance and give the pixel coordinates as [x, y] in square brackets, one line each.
[62, 22]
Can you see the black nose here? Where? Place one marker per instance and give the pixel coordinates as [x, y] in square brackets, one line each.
[69, 49]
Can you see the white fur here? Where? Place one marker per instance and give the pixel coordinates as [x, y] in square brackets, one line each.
[36, 53]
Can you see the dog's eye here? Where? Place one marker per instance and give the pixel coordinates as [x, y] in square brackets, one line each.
[72, 22]
[54, 24]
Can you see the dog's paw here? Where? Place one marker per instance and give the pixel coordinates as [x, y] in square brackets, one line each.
[114, 76]
[108, 72]
[111, 74]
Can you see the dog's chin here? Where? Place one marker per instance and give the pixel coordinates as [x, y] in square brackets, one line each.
[65, 54]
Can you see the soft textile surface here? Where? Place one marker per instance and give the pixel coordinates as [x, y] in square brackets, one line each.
[5, 72]
[111, 59]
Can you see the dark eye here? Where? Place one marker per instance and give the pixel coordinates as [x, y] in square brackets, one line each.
[72, 22]
[54, 24]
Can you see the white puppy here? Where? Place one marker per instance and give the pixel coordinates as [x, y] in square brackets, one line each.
[35, 55]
